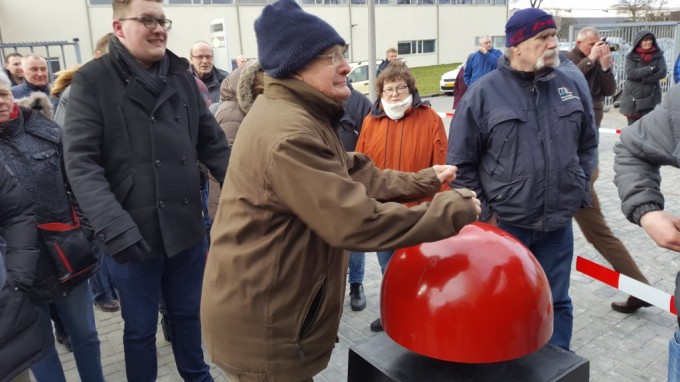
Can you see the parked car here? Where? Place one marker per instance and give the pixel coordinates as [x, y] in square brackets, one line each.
[358, 75]
[448, 80]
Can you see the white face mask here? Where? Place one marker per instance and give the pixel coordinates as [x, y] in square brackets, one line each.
[396, 110]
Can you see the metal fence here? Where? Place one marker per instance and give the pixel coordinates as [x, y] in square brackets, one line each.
[55, 52]
[621, 36]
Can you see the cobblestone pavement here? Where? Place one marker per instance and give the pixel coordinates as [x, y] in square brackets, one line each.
[620, 347]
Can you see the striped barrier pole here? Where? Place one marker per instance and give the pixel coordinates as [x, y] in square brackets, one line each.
[626, 284]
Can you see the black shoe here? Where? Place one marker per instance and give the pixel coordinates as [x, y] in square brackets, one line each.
[63, 339]
[630, 306]
[376, 326]
[357, 298]
[165, 328]
[109, 306]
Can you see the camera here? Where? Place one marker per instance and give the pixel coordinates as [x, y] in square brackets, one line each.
[612, 47]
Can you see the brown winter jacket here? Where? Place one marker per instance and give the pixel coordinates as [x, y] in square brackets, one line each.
[293, 198]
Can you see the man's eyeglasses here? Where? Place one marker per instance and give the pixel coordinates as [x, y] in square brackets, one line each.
[203, 57]
[336, 57]
[401, 89]
[151, 22]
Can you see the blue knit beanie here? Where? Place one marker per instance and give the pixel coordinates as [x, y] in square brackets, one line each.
[288, 38]
[526, 23]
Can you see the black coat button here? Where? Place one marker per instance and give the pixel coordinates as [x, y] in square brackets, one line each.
[186, 200]
[153, 120]
[177, 118]
[184, 160]
[157, 163]
[161, 204]
[101, 237]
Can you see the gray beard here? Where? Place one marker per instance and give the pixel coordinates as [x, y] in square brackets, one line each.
[540, 64]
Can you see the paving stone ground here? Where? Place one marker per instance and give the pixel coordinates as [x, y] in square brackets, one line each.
[620, 347]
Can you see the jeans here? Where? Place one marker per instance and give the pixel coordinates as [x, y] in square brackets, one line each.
[77, 314]
[179, 279]
[674, 358]
[384, 258]
[357, 265]
[554, 251]
[204, 202]
[101, 283]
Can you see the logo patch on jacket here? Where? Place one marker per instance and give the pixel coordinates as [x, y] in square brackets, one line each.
[566, 94]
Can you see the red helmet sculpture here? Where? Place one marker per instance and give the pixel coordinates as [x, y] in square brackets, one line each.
[477, 297]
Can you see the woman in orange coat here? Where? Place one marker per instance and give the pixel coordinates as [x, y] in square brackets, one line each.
[402, 133]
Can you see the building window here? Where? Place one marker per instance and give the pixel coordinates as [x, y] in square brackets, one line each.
[416, 47]
[200, 2]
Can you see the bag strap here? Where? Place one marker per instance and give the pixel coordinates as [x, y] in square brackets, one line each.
[76, 221]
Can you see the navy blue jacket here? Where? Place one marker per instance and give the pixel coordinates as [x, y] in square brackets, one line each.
[356, 108]
[527, 145]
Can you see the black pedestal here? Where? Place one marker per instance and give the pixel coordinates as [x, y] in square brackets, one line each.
[382, 360]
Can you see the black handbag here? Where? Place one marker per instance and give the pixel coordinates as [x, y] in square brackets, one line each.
[644, 104]
[69, 250]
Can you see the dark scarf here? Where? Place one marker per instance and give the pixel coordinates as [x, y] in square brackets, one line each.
[153, 79]
[645, 54]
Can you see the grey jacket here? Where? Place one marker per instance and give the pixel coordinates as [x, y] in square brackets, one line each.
[642, 79]
[644, 147]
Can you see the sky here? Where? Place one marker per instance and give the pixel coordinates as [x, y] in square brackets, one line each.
[584, 4]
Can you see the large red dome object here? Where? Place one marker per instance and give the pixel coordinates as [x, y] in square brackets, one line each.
[477, 297]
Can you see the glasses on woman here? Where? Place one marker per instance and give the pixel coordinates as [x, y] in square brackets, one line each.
[337, 57]
[399, 90]
[151, 22]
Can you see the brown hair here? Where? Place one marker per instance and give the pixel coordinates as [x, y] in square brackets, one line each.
[394, 72]
[10, 55]
[391, 50]
[119, 7]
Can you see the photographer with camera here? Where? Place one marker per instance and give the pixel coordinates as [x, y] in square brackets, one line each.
[593, 57]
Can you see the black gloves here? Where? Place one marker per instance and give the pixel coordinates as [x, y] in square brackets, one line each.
[136, 252]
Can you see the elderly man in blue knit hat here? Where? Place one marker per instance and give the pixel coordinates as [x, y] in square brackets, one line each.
[274, 285]
[525, 141]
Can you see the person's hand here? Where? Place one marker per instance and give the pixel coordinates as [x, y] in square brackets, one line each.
[445, 173]
[605, 57]
[478, 204]
[663, 228]
[595, 51]
[138, 251]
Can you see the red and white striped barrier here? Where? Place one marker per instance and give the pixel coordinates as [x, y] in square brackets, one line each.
[626, 284]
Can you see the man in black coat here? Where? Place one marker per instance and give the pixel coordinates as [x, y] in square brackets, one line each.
[133, 136]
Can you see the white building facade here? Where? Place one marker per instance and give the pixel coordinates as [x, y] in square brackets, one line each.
[426, 32]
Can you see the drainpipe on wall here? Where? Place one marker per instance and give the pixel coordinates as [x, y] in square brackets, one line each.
[238, 23]
[89, 26]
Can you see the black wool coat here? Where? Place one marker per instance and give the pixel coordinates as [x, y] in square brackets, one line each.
[132, 157]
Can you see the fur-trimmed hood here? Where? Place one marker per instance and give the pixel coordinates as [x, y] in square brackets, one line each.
[243, 85]
[37, 101]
